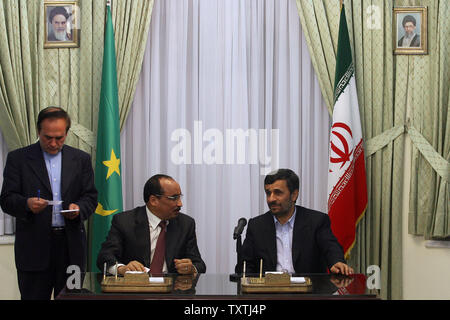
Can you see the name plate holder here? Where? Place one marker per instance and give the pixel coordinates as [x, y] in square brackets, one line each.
[274, 283]
[132, 282]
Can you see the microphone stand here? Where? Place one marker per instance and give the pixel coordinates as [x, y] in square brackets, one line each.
[235, 277]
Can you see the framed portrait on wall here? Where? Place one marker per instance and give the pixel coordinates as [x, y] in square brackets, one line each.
[62, 21]
[410, 30]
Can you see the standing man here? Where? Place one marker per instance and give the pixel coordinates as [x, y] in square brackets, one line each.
[58, 19]
[40, 183]
[288, 237]
[155, 237]
[411, 38]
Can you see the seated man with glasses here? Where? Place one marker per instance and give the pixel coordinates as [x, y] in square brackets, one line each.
[155, 237]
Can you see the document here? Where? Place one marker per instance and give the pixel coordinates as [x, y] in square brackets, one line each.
[298, 280]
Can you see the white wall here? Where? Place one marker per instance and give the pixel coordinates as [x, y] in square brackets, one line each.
[8, 274]
[425, 270]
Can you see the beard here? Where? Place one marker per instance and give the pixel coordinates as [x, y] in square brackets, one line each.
[409, 34]
[60, 35]
[280, 209]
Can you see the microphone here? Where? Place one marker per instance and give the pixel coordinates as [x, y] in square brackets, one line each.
[239, 228]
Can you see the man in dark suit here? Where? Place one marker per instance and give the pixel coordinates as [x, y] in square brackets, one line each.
[134, 235]
[288, 237]
[40, 182]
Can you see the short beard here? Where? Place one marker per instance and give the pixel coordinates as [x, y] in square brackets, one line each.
[409, 34]
[284, 212]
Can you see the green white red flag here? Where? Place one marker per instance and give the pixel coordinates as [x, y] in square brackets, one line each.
[347, 188]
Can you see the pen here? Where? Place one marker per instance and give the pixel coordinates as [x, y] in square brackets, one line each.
[39, 194]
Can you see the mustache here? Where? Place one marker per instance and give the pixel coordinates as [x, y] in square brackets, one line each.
[273, 203]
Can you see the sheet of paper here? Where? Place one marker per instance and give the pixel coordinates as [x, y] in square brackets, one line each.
[273, 272]
[54, 203]
[156, 280]
[298, 280]
[138, 272]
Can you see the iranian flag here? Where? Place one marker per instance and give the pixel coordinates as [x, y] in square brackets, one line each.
[347, 189]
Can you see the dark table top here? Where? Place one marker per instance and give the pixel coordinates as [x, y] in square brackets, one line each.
[223, 286]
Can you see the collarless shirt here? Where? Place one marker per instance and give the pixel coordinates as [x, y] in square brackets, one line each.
[284, 233]
[155, 230]
[53, 164]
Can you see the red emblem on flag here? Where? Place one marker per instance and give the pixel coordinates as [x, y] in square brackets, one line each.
[344, 155]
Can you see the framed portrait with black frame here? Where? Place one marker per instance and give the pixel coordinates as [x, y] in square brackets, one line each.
[410, 30]
[62, 20]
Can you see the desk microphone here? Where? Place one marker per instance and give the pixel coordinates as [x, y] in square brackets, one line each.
[239, 228]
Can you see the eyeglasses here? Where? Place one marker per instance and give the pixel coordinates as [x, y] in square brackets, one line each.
[172, 198]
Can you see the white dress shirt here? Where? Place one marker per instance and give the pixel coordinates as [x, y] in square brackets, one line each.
[155, 230]
[284, 233]
[53, 164]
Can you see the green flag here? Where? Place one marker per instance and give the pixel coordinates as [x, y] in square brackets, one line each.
[107, 165]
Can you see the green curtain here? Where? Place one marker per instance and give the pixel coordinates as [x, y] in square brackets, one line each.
[320, 24]
[428, 100]
[20, 70]
[32, 78]
[131, 20]
[399, 96]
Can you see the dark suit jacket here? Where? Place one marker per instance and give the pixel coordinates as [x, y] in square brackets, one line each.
[314, 247]
[415, 42]
[129, 239]
[25, 173]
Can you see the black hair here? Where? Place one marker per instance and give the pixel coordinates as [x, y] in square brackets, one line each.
[153, 186]
[53, 113]
[291, 178]
[408, 18]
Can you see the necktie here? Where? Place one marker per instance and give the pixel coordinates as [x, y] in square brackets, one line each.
[157, 263]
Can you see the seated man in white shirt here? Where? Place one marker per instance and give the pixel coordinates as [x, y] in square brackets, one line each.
[288, 237]
[133, 238]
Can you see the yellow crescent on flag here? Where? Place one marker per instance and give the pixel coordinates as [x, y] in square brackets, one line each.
[102, 211]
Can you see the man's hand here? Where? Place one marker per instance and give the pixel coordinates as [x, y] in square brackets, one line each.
[72, 215]
[341, 268]
[36, 205]
[131, 266]
[184, 266]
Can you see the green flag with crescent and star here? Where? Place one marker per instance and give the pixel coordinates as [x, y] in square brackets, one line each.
[108, 179]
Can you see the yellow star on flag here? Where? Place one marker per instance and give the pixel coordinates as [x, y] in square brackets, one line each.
[112, 164]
